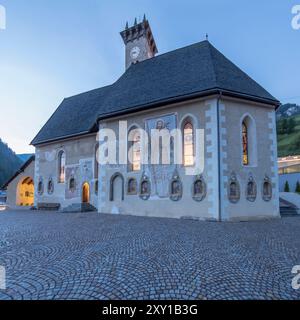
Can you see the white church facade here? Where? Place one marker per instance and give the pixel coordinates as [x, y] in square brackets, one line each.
[192, 88]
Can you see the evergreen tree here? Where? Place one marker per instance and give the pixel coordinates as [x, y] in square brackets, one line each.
[286, 187]
[284, 125]
[291, 124]
[9, 163]
[280, 127]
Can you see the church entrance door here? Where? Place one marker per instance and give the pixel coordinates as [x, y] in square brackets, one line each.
[86, 193]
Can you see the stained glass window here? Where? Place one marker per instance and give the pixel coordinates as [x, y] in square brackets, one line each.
[61, 167]
[188, 145]
[136, 159]
[135, 151]
[245, 144]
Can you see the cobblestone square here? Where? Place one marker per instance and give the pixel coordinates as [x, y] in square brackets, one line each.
[92, 256]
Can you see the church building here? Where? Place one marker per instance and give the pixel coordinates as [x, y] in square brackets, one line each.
[191, 88]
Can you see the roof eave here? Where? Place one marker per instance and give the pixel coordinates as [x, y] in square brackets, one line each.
[192, 96]
[19, 171]
[272, 102]
[38, 143]
[160, 103]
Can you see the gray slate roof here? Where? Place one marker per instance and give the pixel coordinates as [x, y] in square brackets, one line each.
[19, 171]
[199, 69]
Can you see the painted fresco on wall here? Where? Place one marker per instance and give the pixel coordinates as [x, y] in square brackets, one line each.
[86, 170]
[161, 175]
[72, 172]
[77, 175]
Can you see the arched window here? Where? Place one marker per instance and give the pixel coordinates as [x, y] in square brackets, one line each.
[267, 189]
[234, 189]
[96, 163]
[248, 141]
[199, 188]
[175, 187]
[61, 167]
[145, 188]
[136, 157]
[132, 186]
[245, 143]
[188, 144]
[251, 190]
[41, 187]
[135, 150]
[50, 186]
[116, 187]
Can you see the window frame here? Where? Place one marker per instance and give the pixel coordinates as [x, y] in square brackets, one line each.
[245, 143]
[131, 193]
[61, 165]
[187, 122]
[135, 131]
[252, 149]
[50, 186]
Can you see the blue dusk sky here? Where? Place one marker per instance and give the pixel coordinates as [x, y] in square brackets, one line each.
[53, 49]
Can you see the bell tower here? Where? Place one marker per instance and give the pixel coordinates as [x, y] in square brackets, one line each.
[139, 42]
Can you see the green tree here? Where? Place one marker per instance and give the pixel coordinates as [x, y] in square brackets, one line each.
[297, 187]
[284, 126]
[9, 163]
[279, 127]
[291, 124]
[286, 187]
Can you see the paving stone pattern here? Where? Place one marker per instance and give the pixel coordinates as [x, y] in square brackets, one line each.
[92, 256]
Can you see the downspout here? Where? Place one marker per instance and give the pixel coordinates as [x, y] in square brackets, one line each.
[219, 158]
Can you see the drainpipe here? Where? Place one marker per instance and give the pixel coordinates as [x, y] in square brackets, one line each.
[219, 157]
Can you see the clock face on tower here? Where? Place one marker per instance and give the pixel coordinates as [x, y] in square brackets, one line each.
[135, 52]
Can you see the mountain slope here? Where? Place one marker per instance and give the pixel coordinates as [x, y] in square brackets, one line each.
[25, 156]
[9, 162]
[288, 129]
[287, 110]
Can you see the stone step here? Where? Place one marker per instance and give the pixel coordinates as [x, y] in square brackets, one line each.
[48, 206]
[289, 212]
[288, 209]
[79, 207]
